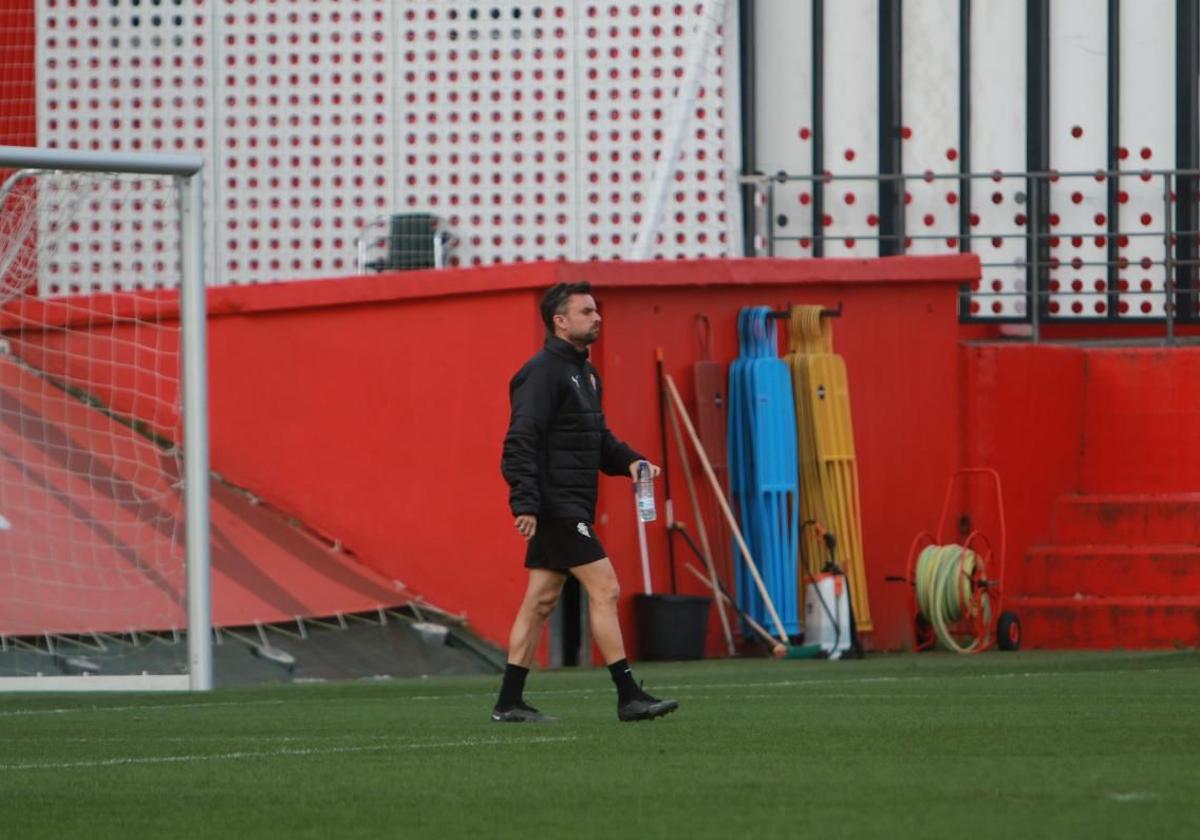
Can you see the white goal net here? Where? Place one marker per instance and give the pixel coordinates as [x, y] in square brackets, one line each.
[99, 578]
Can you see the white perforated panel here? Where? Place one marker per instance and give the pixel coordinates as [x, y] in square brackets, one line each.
[530, 128]
[486, 125]
[303, 93]
[534, 127]
[127, 77]
[635, 56]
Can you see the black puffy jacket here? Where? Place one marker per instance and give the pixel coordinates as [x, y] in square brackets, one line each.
[557, 439]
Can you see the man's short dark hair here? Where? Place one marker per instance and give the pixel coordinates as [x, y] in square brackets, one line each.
[554, 302]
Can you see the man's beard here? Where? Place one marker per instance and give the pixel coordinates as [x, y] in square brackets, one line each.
[589, 337]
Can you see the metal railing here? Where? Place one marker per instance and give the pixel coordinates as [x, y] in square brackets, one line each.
[1041, 297]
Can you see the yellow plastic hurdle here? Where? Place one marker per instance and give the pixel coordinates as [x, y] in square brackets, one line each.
[828, 466]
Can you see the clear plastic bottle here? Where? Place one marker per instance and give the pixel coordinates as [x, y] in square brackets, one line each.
[645, 493]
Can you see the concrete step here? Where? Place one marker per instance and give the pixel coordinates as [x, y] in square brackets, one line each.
[1159, 571]
[1126, 519]
[1107, 623]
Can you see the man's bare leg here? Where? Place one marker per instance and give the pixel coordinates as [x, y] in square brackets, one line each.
[540, 597]
[600, 581]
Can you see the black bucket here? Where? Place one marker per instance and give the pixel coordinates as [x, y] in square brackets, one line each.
[671, 627]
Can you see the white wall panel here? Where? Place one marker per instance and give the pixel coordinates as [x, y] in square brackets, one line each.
[1147, 141]
[304, 153]
[530, 127]
[998, 145]
[783, 113]
[632, 57]
[486, 124]
[124, 78]
[930, 113]
[1078, 142]
[852, 126]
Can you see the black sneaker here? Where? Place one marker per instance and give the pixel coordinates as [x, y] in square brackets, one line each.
[524, 713]
[645, 707]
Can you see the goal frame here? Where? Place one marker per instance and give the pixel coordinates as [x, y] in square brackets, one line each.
[188, 170]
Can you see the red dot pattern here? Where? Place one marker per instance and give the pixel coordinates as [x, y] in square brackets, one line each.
[632, 58]
[1078, 243]
[486, 126]
[1140, 216]
[121, 78]
[305, 157]
[100, 232]
[930, 145]
[564, 109]
[531, 128]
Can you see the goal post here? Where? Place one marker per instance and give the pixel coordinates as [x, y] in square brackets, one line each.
[84, 439]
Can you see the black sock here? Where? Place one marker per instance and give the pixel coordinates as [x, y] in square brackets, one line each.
[623, 678]
[513, 686]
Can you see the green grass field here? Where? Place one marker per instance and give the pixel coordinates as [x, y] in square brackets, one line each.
[1000, 745]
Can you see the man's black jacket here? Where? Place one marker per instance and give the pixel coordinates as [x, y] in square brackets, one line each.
[557, 439]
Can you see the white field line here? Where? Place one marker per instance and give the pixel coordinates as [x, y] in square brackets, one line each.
[1133, 796]
[172, 739]
[733, 686]
[284, 753]
[773, 684]
[72, 710]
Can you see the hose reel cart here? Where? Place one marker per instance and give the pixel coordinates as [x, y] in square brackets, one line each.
[956, 589]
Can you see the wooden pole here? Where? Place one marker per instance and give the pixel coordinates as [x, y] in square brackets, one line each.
[733, 526]
[691, 486]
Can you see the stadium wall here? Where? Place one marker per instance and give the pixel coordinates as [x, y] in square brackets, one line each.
[1023, 414]
[532, 130]
[373, 408]
[1097, 445]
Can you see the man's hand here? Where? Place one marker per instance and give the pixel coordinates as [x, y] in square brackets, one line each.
[526, 526]
[655, 469]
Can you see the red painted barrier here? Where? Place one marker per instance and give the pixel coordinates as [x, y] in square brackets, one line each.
[18, 76]
[1101, 444]
[1142, 426]
[1023, 416]
[1080, 420]
[373, 408]
[380, 414]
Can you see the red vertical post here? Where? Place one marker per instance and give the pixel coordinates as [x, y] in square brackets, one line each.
[18, 47]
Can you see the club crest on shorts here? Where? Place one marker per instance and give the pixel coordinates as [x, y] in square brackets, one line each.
[583, 529]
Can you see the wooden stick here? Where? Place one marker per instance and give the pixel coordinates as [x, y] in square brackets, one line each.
[737, 532]
[776, 649]
[691, 486]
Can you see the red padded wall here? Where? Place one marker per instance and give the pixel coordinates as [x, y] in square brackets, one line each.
[1023, 415]
[18, 120]
[1142, 427]
[373, 408]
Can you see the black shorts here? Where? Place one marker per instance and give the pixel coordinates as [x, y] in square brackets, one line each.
[560, 544]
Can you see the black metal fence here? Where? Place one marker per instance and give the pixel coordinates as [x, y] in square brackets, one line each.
[1037, 286]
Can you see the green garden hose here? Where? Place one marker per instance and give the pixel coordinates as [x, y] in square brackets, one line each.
[946, 594]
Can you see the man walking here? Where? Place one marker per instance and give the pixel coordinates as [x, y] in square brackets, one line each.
[556, 445]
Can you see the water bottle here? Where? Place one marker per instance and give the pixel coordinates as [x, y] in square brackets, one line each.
[644, 489]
